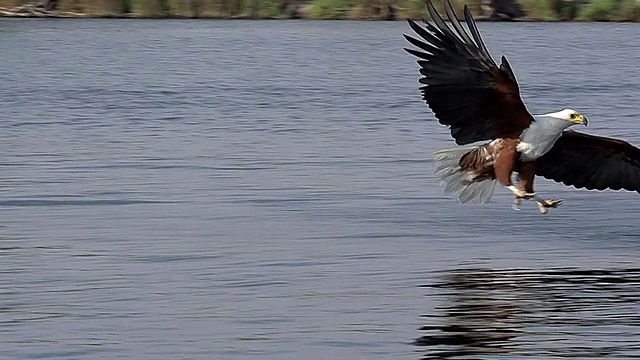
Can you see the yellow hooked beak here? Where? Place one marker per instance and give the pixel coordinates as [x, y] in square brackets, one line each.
[580, 119]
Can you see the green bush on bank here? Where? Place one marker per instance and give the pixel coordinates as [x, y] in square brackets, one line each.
[376, 9]
[610, 10]
[330, 9]
[599, 10]
[152, 8]
[629, 11]
[540, 10]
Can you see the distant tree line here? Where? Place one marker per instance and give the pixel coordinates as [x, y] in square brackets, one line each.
[583, 10]
[537, 10]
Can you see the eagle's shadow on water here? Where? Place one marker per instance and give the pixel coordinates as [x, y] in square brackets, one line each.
[538, 314]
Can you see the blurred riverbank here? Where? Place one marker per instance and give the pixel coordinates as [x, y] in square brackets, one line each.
[523, 10]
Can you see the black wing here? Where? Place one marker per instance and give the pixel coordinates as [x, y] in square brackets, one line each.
[463, 85]
[592, 162]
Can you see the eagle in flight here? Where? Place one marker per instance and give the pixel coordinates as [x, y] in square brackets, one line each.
[480, 101]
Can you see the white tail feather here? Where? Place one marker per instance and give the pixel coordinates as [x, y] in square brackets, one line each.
[457, 182]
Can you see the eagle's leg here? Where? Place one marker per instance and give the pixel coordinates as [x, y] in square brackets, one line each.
[526, 174]
[505, 164]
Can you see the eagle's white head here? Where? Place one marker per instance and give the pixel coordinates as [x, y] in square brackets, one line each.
[570, 115]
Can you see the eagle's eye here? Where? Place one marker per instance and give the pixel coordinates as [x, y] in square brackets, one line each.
[572, 116]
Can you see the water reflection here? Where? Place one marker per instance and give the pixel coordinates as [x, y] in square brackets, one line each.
[534, 314]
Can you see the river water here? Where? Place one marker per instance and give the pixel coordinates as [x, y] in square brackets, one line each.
[265, 190]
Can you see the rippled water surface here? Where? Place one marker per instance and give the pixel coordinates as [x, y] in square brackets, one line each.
[265, 190]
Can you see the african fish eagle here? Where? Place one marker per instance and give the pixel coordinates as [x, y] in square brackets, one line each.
[480, 102]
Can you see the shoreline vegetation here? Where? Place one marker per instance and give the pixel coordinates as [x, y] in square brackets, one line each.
[483, 10]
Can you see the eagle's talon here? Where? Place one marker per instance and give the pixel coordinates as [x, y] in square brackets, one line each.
[525, 195]
[552, 203]
[516, 204]
[520, 194]
[543, 209]
[545, 205]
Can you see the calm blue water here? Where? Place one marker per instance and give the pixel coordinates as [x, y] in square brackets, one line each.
[265, 190]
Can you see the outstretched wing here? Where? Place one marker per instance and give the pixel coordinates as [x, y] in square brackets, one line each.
[592, 162]
[463, 85]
